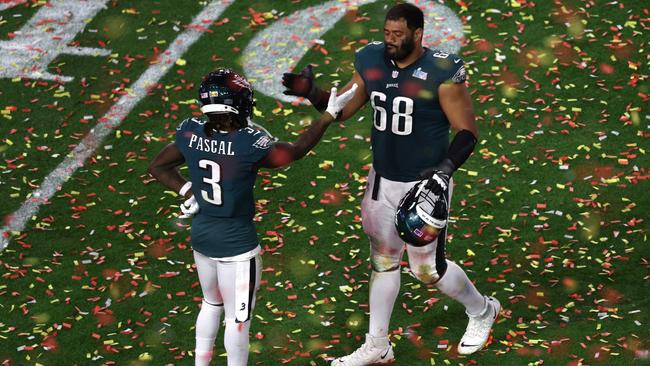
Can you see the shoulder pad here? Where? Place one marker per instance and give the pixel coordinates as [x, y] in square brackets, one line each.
[182, 124]
[451, 66]
[375, 45]
[251, 130]
[460, 76]
[258, 138]
[188, 121]
[263, 142]
[452, 57]
[199, 121]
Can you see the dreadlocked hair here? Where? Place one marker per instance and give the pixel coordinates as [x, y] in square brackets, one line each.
[221, 122]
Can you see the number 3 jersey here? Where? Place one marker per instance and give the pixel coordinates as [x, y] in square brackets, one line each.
[223, 169]
[410, 131]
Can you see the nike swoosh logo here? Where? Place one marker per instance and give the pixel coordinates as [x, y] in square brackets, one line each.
[456, 60]
[468, 345]
[385, 354]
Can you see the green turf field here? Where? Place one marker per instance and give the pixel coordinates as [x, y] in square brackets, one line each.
[550, 213]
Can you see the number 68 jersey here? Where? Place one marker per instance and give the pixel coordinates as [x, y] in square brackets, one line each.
[410, 131]
[222, 168]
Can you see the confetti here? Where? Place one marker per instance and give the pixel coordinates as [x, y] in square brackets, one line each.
[548, 215]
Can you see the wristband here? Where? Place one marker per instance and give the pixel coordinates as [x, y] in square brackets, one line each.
[186, 187]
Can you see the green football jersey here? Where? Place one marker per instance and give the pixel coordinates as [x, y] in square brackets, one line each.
[410, 131]
[222, 168]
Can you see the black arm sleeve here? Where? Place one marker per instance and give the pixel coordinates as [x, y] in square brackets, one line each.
[460, 149]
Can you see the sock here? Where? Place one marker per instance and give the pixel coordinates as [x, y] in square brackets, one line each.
[377, 341]
[207, 326]
[456, 285]
[236, 342]
[384, 288]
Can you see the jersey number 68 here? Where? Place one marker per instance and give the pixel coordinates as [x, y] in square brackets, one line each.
[402, 119]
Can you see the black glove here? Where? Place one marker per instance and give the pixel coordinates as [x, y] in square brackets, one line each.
[440, 210]
[300, 85]
[427, 173]
[446, 166]
[438, 183]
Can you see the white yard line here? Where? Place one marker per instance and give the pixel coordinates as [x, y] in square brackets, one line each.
[46, 36]
[110, 120]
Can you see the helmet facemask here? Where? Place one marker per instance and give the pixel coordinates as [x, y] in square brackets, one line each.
[421, 215]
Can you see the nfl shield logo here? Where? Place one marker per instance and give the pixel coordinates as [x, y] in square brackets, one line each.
[395, 74]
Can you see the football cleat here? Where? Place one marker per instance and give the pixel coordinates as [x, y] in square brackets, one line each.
[375, 351]
[422, 212]
[479, 326]
[225, 91]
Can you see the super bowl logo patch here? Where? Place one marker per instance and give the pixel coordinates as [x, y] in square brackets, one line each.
[459, 76]
[418, 73]
[262, 143]
[214, 93]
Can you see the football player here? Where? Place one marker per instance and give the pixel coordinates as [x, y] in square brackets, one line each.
[417, 95]
[223, 153]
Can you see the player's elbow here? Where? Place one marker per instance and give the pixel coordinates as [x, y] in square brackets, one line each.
[475, 133]
[281, 156]
[154, 170]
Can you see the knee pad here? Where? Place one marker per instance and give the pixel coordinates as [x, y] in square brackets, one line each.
[216, 308]
[425, 273]
[384, 257]
[384, 263]
[428, 271]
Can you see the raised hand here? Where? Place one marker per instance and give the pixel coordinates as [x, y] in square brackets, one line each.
[336, 103]
[300, 85]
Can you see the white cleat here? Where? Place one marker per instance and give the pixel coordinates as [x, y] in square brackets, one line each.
[479, 326]
[376, 351]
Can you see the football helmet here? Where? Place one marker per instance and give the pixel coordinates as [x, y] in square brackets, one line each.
[225, 91]
[422, 213]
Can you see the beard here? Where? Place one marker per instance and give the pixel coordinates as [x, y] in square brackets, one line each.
[402, 51]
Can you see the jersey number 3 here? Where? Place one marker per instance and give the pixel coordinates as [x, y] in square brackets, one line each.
[213, 180]
[402, 121]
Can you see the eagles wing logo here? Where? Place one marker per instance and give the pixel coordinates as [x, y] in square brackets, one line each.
[262, 143]
[460, 75]
[240, 81]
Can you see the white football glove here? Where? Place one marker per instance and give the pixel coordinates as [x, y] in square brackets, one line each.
[337, 102]
[189, 208]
